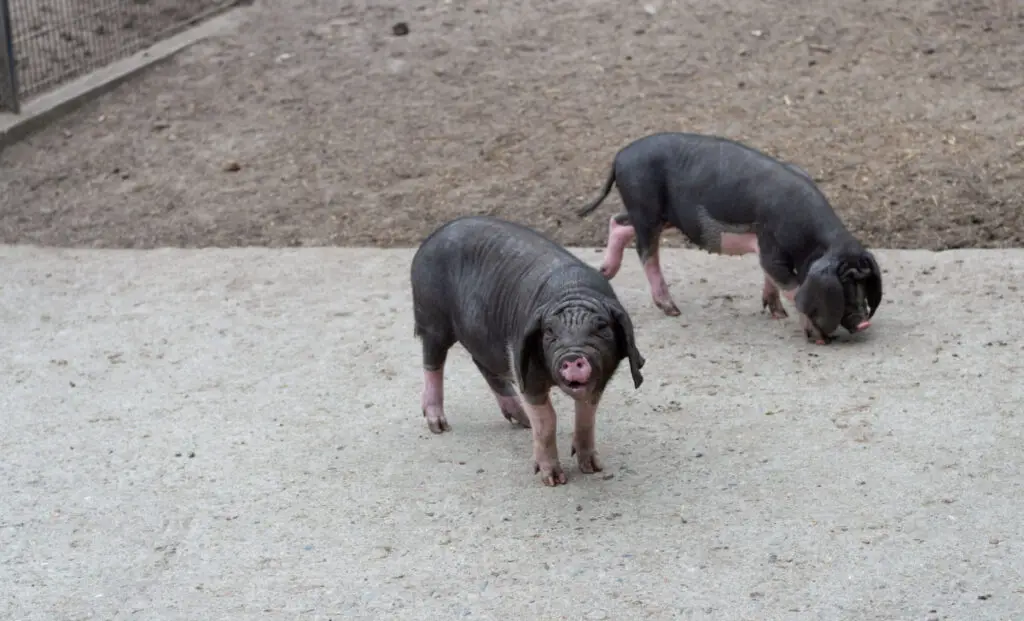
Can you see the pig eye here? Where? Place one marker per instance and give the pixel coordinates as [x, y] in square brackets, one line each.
[601, 324]
[549, 332]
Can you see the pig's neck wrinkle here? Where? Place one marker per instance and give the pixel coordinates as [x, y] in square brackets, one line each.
[541, 283]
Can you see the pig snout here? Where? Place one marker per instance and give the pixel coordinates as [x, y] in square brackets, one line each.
[856, 322]
[575, 369]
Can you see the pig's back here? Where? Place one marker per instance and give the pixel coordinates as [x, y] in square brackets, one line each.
[481, 277]
[483, 254]
[734, 182]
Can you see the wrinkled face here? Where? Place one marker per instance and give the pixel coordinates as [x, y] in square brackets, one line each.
[579, 347]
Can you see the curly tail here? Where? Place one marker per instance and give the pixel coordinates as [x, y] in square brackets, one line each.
[604, 194]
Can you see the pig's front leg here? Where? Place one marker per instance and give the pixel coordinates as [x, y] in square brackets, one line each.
[779, 275]
[583, 445]
[771, 299]
[545, 446]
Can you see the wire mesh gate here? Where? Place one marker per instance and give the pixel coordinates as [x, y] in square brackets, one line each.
[46, 43]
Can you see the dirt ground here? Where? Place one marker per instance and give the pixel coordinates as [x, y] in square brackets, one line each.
[313, 123]
[58, 40]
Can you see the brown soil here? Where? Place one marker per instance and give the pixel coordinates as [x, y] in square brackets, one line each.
[313, 124]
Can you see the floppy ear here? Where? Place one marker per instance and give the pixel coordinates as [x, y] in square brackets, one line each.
[625, 342]
[873, 284]
[530, 346]
[821, 296]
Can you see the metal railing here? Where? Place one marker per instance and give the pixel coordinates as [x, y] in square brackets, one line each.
[47, 43]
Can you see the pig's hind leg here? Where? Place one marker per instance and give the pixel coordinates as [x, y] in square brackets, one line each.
[505, 395]
[435, 353]
[620, 233]
[648, 242]
[642, 200]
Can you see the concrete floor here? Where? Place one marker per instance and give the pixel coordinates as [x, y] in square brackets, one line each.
[235, 434]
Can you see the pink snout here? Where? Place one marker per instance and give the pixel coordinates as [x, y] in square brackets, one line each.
[575, 369]
[864, 325]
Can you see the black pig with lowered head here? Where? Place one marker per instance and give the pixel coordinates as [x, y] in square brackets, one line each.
[728, 198]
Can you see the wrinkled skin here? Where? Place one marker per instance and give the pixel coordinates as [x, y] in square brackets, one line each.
[533, 317]
[576, 343]
[730, 199]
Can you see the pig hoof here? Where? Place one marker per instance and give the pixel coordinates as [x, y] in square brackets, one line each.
[774, 306]
[513, 411]
[588, 461]
[609, 271]
[436, 421]
[517, 418]
[551, 474]
[669, 308]
[818, 340]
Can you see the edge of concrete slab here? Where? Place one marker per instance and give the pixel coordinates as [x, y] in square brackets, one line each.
[693, 253]
[41, 111]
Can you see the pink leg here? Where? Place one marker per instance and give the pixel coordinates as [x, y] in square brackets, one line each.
[512, 410]
[771, 300]
[619, 236]
[790, 294]
[659, 288]
[433, 401]
[545, 445]
[583, 437]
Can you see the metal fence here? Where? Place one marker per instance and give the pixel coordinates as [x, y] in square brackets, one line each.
[47, 43]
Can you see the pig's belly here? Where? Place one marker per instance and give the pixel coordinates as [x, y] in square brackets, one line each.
[725, 238]
[489, 348]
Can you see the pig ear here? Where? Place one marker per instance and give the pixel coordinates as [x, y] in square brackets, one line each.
[873, 287]
[625, 342]
[530, 346]
[821, 295]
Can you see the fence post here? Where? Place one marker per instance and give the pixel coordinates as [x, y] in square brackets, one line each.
[8, 70]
